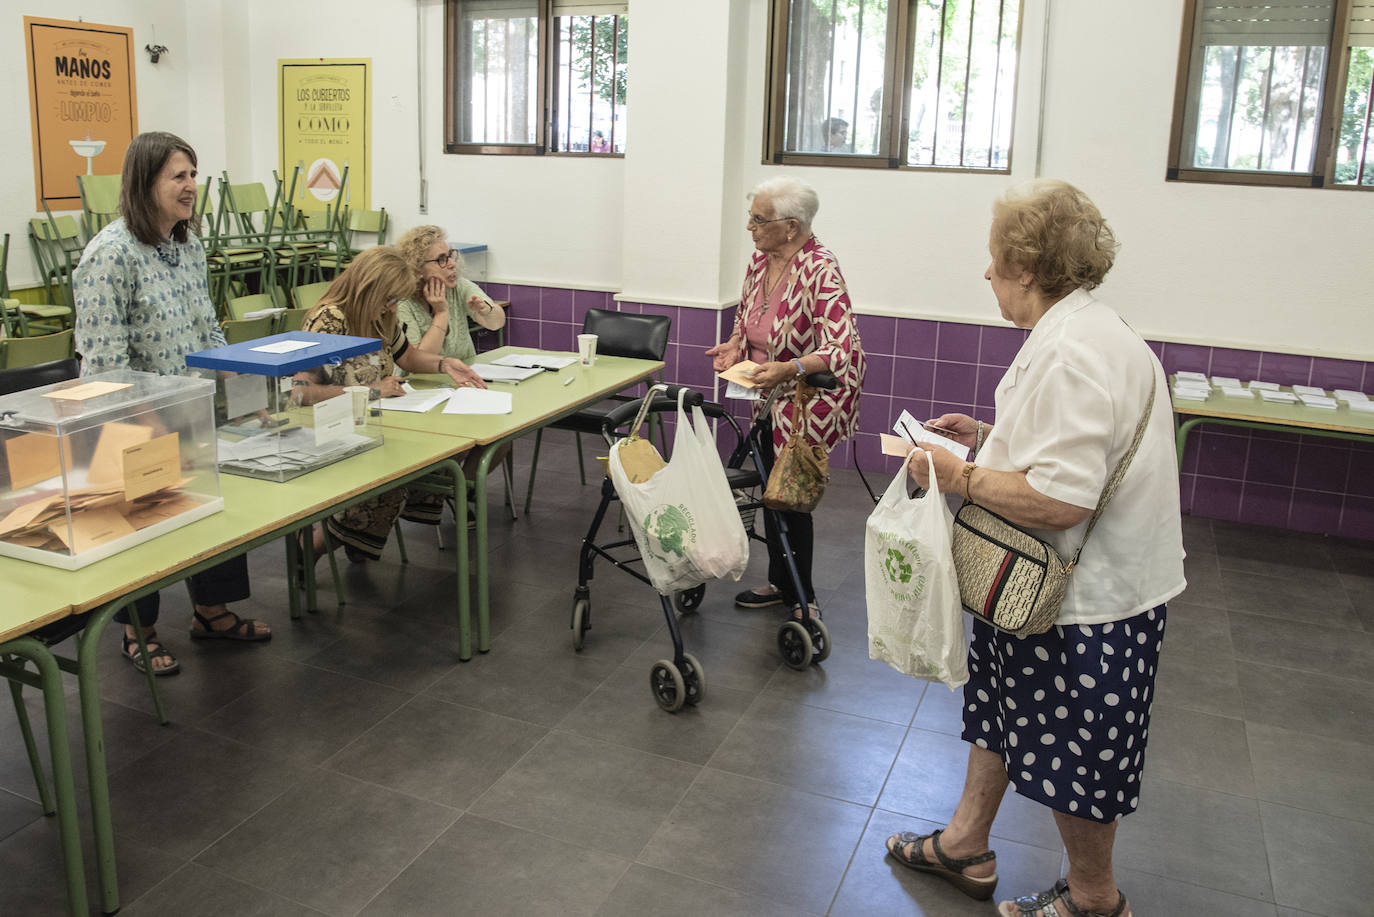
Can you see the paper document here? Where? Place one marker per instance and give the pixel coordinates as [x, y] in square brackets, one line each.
[1319, 401]
[1345, 394]
[478, 401]
[88, 390]
[742, 372]
[548, 361]
[1258, 386]
[1225, 382]
[262, 313]
[895, 445]
[1364, 407]
[416, 401]
[1309, 390]
[1279, 397]
[284, 346]
[740, 393]
[909, 427]
[505, 373]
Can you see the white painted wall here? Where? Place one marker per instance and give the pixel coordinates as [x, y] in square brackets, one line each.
[1279, 269]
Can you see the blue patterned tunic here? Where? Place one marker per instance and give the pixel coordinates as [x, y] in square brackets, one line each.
[141, 307]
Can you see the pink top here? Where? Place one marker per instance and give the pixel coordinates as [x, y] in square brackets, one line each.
[760, 324]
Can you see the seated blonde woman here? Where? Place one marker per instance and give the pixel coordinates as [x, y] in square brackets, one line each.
[362, 302]
[435, 315]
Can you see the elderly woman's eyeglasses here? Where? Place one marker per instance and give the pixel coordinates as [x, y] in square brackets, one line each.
[449, 257]
[756, 220]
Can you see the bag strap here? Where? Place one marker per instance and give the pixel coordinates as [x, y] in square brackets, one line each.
[801, 413]
[1119, 472]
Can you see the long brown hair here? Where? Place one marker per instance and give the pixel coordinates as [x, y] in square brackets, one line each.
[363, 290]
[143, 162]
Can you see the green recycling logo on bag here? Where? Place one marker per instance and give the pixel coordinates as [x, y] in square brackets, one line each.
[901, 564]
[670, 530]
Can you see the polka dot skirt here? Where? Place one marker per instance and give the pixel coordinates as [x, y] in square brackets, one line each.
[1068, 710]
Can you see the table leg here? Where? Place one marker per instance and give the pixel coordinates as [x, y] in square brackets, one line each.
[460, 548]
[88, 678]
[483, 569]
[55, 709]
[1181, 437]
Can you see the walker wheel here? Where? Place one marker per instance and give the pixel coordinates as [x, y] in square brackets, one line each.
[667, 684]
[694, 677]
[689, 600]
[820, 639]
[580, 612]
[794, 643]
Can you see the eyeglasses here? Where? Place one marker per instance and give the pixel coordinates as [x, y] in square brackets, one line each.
[754, 220]
[449, 257]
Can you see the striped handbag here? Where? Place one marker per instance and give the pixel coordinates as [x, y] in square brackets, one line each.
[1008, 577]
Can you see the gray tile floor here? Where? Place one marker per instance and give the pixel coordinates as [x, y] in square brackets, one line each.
[352, 766]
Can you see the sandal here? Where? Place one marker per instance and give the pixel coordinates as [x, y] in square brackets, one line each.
[243, 629]
[1043, 904]
[814, 611]
[155, 651]
[951, 870]
[752, 598]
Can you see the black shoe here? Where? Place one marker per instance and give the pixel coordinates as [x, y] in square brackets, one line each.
[750, 598]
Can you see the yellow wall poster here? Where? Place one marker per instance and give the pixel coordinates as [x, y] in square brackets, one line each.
[82, 102]
[325, 131]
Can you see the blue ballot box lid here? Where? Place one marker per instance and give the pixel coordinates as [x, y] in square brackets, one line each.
[250, 357]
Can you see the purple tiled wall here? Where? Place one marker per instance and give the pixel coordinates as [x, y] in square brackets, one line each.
[1305, 483]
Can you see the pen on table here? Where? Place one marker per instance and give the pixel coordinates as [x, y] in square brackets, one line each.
[568, 381]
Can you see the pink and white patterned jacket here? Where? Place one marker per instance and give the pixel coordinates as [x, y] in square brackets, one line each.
[815, 317]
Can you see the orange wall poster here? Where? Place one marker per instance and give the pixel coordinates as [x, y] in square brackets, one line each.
[82, 102]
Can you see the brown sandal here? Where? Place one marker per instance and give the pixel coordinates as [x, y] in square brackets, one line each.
[1043, 903]
[243, 629]
[948, 868]
[155, 651]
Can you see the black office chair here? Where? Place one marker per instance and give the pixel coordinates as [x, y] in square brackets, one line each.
[26, 377]
[618, 334]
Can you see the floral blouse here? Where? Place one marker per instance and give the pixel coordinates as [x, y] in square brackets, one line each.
[140, 306]
[359, 370]
[815, 317]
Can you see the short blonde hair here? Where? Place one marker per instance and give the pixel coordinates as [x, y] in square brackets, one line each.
[1056, 233]
[414, 245]
[362, 291]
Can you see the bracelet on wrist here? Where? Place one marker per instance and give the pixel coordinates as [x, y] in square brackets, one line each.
[978, 440]
[801, 370]
[967, 478]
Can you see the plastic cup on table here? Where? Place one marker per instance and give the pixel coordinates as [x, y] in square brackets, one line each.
[586, 349]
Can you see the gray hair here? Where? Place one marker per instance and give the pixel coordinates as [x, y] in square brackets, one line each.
[792, 199]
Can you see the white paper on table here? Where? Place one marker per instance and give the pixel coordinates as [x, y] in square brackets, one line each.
[1364, 407]
[333, 418]
[1279, 397]
[1318, 401]
[1237, 392]
[1225, 382]
[244, 395]
[1199, 377]
[1263, 386]
[252, 447]
[910, 428]
[416, 401]
[493, 372]
[284, 346]
[740, 393]
[1309, 390]
[478, 401]
[1345, 394]
[535, 359]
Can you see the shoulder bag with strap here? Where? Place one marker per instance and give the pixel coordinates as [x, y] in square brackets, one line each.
[1008, 577]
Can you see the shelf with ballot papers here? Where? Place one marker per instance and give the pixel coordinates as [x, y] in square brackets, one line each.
[262, 431]
[95, 466]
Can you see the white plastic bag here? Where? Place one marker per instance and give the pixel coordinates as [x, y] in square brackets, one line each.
[684, 518]
[915, 621]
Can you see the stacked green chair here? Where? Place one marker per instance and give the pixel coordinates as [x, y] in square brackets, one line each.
[293, 253]
[238, 331]
[99, 200]
[233, 259]
[57, 246]
[31, 351]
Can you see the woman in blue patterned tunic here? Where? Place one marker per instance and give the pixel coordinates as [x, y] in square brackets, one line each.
[143, 303]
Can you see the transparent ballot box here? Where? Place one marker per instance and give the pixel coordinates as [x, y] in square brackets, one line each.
[96, 465]
[262, 430]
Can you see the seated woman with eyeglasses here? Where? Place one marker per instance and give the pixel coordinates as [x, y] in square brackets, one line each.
[362, 302]
[435, 315]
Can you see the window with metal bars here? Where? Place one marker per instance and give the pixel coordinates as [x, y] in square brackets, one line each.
[1275, 92]
[892, 83]
[508, 61]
